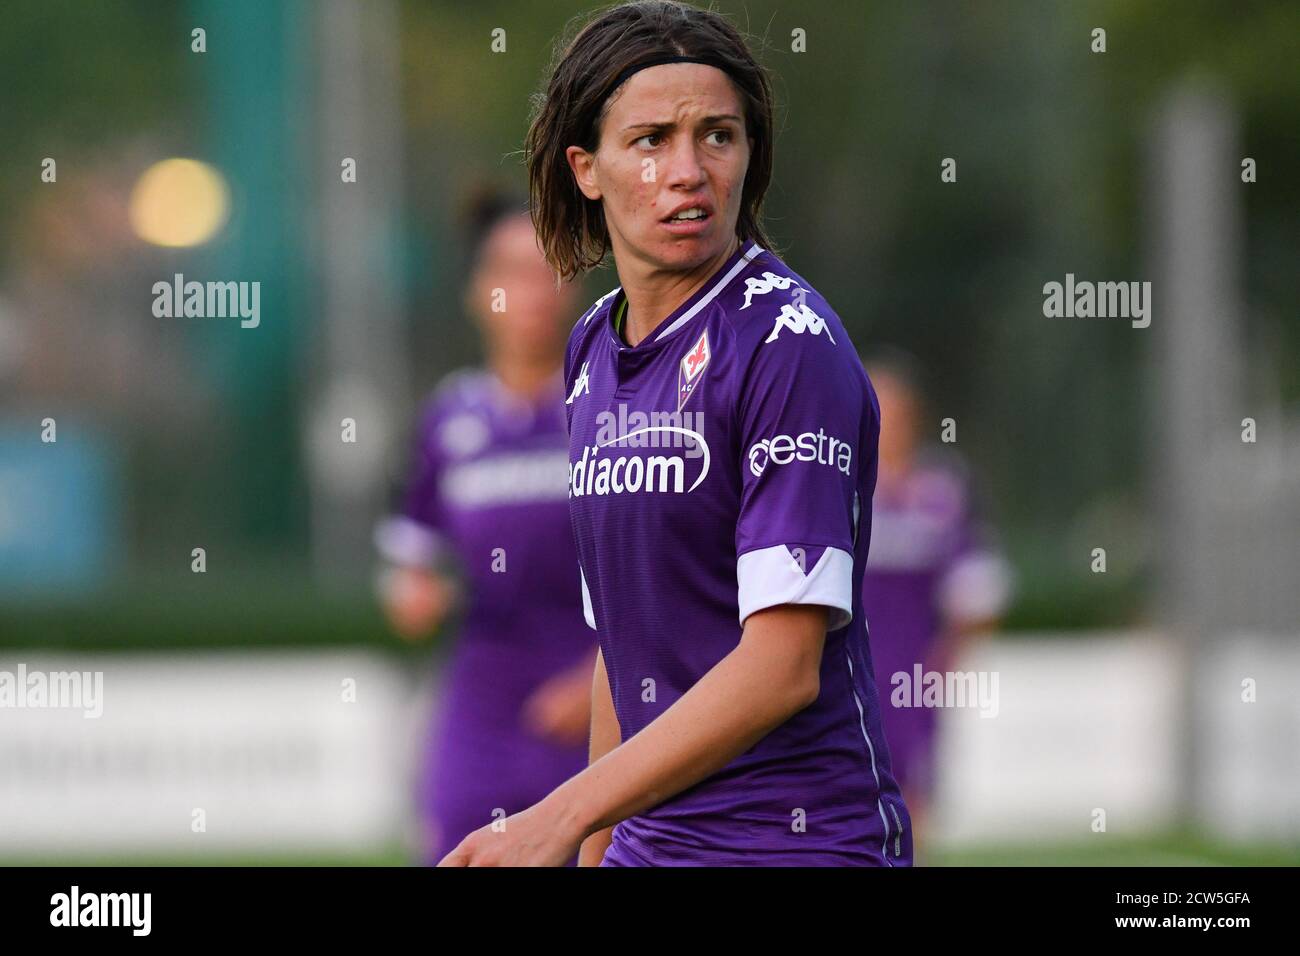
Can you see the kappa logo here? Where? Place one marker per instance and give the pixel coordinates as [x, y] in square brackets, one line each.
[581, 385]
[692, 368]
[799, 321]
[765, 284]
[586, 319]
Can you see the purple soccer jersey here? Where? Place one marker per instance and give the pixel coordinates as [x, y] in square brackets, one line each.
[487, 492]
[724, 465]
[929, 564]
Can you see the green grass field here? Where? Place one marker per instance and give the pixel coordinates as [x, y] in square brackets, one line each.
[1167, 849]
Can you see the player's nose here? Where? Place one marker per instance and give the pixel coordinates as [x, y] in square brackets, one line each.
[681, 167]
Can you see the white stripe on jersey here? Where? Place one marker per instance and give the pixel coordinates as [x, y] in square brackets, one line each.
[862, 723]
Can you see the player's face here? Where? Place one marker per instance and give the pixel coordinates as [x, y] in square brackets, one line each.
[672, 139]
[898, 416]
[513, 295]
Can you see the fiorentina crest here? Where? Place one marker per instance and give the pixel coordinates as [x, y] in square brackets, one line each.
[692, 368]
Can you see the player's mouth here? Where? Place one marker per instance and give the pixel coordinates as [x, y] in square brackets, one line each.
[689, 219]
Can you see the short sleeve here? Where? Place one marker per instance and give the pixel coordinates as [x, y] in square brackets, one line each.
[415, 533]
[806, 413]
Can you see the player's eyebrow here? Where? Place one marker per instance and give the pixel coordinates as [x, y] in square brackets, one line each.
[704, 121]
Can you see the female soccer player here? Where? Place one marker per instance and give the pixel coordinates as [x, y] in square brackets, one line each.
[487, 494]
[722, 454]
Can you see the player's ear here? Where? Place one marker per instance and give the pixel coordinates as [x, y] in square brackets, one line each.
[583, 166]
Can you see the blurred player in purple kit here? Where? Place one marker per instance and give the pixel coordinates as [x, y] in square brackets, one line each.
[934, 578]
[722, 456]
[486, 498]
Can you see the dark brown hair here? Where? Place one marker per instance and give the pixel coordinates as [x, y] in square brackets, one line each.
[570, 227]
[485, 206]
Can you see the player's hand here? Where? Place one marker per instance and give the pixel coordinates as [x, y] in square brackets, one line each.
[416, 601]
[538, 836]
[560, 708]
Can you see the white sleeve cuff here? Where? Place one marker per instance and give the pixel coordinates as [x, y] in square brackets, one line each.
[402, 540]
[587, 611]
[976, 588]
[772, 576]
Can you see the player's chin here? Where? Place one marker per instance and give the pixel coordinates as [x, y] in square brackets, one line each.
[689, 252]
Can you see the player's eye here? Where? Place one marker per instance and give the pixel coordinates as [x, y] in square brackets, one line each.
[725, 134]
[649, 136]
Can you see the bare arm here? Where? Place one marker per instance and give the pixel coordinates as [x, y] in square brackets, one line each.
[605, 736]
[771, 675]
[559, 709]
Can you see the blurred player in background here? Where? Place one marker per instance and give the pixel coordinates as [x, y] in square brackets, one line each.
[486, 498]
[933, 580]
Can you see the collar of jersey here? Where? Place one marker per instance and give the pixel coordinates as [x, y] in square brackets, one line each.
[510, 403]
[688, 310]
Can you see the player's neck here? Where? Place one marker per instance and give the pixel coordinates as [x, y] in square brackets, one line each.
[525, 378]
[654, 295]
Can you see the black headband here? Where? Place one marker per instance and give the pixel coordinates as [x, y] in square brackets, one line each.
[668, 58]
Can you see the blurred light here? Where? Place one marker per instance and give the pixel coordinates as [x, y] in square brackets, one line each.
[179, 202]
